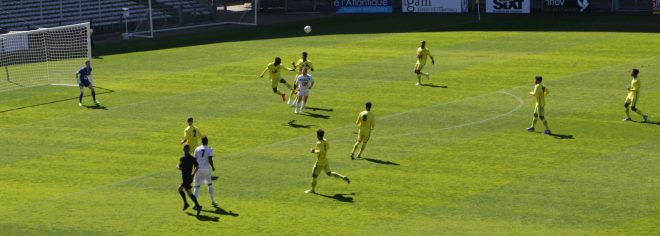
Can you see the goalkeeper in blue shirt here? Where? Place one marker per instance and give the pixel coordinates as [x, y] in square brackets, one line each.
[84, 77]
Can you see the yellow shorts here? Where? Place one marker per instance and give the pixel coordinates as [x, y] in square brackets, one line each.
[418, 67]
[318, 167]
[632, 99]
[274, 82]
[363, 137]
[539, 110]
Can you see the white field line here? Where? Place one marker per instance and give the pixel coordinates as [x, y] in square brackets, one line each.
[520, 104]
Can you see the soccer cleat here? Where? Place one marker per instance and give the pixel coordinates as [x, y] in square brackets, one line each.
[348, 181]
[427, 77]
[214, 203]
[79, 104]
[547, 131]
[295, 111]
[310, 191]
[352, 157]
[185, 206]
[283, 98]
[198, 208]
[627, 119]
[645, 118]
[418, 84]
[97, 102]
[530, 129]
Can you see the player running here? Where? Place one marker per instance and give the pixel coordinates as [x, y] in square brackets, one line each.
[322, 161]
[304, 83]
[188, 167]
[633, 96]
[274, 69]
[422, 54]
[204, 157]
[191, 134]
[539, 93]
[302, 63]
[84, 79]
[365, 123]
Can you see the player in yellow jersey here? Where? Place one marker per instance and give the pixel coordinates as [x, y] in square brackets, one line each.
[321, 164]
[274, 69]
[633, 96]
[422, 54]
[365, 122]
[539, 93]
[302, 63]
[191, 135]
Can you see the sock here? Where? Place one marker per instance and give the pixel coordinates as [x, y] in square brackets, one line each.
[295, 105]
[196, 191]
[302, 106]
[94, 95]
[545, 123]
[194, 199]
[639, 112]
[183, 195]
[419, 78]
[362, 149]
[534, 122]
[80, 98]
[426, 74]
[314, 184]
[355, 147]
[627, 112]
[337, 175]
[211, 193]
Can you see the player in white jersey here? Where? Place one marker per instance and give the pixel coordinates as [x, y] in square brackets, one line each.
[204, 156]
[304, 83]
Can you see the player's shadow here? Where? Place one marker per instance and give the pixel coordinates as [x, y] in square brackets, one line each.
[434, 86]
[105, 90]
[320, 109]
[204, 218]
[342, 197]
[314, 115]
[378, 161]
[220, 211]
[562, 136]
[293, 124]
[215, 177]
[648, 122]
[96, 107]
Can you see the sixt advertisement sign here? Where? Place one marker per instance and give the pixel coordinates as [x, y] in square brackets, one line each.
[437, 6]
[363, 6]
[508, 6]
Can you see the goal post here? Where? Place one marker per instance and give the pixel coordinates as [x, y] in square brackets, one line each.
[45, 56]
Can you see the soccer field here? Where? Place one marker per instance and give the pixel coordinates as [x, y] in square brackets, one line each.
[452, 158]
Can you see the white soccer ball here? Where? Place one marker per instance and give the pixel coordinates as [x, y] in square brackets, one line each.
[308, 29]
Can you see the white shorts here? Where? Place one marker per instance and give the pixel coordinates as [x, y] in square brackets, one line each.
[202, 176]
[303, 92]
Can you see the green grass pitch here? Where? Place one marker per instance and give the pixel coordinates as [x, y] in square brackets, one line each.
[448, 159]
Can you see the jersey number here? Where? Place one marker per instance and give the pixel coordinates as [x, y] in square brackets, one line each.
[364, 117]
[194, 133]
[203, 151]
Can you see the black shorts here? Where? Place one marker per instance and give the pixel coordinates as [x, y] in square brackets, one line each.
[84, 83]
[186, 183]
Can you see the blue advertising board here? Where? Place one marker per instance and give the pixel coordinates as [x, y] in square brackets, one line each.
[363, 6]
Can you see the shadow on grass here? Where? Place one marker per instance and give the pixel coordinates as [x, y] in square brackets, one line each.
[648, 122]
[204, 218]
[320, 109]
[215, 177]
[434, 86]
[105, 91]
[220, 211]
[562, 136]
[342, 197]
[293, 124]
[96, 107]
[314, 115]
[378, 161]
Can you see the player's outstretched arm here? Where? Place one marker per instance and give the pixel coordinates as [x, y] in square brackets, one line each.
[432, 60]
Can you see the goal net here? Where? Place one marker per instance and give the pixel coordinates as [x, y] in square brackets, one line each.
[46, 56]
